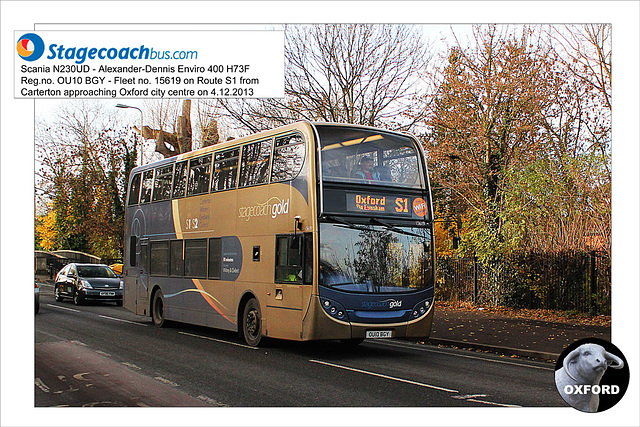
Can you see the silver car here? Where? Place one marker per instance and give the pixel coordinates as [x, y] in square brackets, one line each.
[84, 282]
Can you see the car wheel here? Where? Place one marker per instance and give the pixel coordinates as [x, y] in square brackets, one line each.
[252, 323]
[57, 295]
[157, 310]
[78, 298]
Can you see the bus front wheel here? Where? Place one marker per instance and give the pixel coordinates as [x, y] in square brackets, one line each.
[252, 323]
[157, 309]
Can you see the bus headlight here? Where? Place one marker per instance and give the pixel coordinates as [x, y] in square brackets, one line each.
[421, 308]
[334, 309]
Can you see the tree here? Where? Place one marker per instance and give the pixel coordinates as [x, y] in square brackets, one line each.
[484, 123]
[565, 195]
[362, 74]
[84, 158]
[520, 145]
[45, 231]
[164, 114]
[172, 129]
[584, 53]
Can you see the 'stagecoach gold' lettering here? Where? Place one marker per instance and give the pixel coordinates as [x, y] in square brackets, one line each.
[273, 207]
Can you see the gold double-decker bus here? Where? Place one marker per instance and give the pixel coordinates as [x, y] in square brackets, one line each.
[310, 231]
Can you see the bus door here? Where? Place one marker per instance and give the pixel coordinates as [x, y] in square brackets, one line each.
[142, 294]
[292, 279]
[130, 274]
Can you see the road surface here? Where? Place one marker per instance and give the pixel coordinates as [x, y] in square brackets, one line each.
[104, 355]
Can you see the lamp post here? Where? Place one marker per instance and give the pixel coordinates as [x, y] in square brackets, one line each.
[141, 124]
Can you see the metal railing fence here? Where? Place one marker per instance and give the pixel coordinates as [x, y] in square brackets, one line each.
[579, 281]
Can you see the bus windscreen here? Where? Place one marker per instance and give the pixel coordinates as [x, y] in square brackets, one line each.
[375, 259]
[360, 155]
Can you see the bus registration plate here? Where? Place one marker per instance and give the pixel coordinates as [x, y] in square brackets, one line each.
[379, 334]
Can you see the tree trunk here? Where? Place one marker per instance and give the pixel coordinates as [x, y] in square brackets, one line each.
[169, 144]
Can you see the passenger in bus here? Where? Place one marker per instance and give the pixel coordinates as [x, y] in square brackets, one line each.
[384, 172]
[339, 170]
[365, 170]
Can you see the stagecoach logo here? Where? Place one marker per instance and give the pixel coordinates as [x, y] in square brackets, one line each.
[272, 207]
[388, 303]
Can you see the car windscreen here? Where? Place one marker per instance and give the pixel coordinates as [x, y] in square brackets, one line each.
[95, 271]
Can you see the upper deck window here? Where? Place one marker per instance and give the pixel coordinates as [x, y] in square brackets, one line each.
[225, 170]
[255, 163]
[199, 175]
[354, 155]
[134, 191]
[288, 157]
[180, 179]
[162, 183]
[147, 186]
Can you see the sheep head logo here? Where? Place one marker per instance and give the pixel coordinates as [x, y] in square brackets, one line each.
[578, 381]
[590, 361]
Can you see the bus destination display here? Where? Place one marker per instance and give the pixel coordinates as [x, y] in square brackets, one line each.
[405, 206]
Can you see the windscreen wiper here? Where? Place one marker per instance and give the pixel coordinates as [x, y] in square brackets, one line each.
[346, 223]
[394, 229]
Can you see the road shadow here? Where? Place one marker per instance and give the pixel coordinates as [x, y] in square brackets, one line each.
[325, 349]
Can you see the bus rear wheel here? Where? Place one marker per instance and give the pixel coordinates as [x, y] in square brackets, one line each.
[157, 309]
[252, 323]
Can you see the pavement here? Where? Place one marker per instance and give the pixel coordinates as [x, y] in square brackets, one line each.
[485, 330]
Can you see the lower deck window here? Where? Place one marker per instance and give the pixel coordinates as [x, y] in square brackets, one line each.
[133, 248]
[215, 258]
[176, 260]
[195, 258]
[160, 258]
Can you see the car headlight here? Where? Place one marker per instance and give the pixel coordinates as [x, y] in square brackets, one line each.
[121, 285]
[86, 284]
